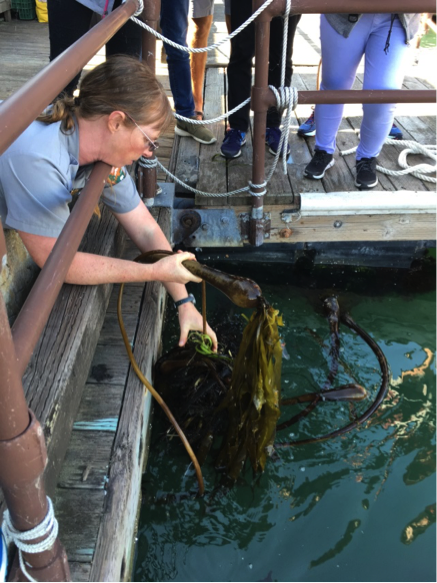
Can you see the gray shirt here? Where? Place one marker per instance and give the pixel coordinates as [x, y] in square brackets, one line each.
[37, 174]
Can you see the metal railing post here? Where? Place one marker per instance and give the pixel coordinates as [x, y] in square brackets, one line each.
[262, 42]
[23, 459]
[146, 177]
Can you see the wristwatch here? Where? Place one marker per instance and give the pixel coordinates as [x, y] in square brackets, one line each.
[189, 298]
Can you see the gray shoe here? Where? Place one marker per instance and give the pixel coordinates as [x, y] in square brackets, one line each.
[197, 132]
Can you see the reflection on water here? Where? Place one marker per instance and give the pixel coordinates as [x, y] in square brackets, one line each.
[357, 508]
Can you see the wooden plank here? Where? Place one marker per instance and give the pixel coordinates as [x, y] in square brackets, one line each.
[355, 228]
[100, 406]
[111, 329]
[110, 365]
[79, 518]
[132, 294]
[57, 372]
[79, 571]
[86, 467]
[113, 556]
[212, 166]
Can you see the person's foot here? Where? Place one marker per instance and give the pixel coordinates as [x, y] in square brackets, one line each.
[395, 133]
[366, 173]
[308, 127]
[234, 140]
[319, 164]
[198, 132]
[273, 137]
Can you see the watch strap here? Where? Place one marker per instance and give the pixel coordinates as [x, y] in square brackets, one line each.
[189, 298]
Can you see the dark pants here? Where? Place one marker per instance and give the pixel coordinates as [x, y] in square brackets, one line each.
[240, 62]
[69, 20]
[174, 26]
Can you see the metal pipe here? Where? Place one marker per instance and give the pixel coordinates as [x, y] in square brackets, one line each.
[23, 458]
[262, 41]
[277, 7]
[21, 108]
[146, 183]
[37, 307]
[356, 96]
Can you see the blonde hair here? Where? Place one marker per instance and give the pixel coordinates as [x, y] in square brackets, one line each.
[121, 83]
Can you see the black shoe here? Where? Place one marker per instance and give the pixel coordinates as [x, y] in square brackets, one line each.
[319, 164]
[366, 173]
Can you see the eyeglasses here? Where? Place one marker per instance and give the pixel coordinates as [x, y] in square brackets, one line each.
[152, 146]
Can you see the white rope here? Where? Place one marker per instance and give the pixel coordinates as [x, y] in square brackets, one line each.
[211, 47]
[47, 528]
[263, 185]
[286, 98]
[419, 170]
[139, 9]
[216, 119]
[285, 42]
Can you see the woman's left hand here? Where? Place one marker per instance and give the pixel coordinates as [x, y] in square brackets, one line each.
[191, 319]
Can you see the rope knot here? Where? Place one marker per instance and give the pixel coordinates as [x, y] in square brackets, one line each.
[148, 162]
[47, 528]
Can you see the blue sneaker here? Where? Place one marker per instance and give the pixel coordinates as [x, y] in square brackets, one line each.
[231, 147]
[395, 133]
[273, 137]
[308, 128]
[3, 557]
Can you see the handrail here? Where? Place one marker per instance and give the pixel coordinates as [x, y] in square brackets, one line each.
[35, 95]
[345, 6]
[36, 309]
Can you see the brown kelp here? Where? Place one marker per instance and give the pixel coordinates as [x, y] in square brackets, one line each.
[356, 390]
[243, 292]
[252, 402]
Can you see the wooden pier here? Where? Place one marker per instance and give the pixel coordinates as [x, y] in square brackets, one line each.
[94, 410]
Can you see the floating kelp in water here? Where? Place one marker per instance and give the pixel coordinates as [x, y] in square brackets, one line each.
[252, 402]
[193, 382]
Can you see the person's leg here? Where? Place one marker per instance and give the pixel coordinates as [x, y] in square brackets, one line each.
[174, 26]
[127, 41]
[239, 71]
[382, 71]
[201, 28]
[68, 21]
[275, 59]
[340, 57]
[228, 16]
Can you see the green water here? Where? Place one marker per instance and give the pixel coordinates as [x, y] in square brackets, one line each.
[357, 508]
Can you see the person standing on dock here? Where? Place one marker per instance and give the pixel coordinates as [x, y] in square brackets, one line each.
[384, 41]
[174, 26]
[240, 77]
[56, 154]
[69, 20]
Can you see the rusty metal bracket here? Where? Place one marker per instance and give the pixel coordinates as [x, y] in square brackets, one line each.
[263, 225]
[206, 228]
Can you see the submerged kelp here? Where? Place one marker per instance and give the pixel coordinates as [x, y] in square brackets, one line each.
[252, 402]
[194, 382]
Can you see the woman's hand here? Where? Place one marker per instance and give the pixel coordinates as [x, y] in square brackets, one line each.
[170, 269]
[191, 319]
